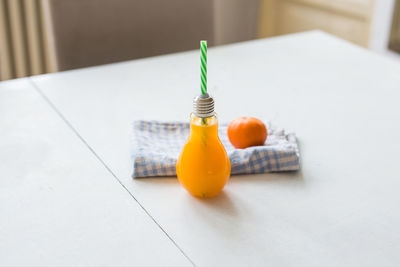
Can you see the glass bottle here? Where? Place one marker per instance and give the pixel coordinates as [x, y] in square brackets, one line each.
[203, 167]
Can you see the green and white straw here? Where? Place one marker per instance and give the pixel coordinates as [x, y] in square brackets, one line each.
[203, 66]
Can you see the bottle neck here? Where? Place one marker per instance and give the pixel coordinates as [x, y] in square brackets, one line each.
[201, 125]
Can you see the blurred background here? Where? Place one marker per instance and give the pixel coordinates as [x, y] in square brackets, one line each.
[42, 36]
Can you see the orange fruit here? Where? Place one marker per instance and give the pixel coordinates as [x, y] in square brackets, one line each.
[247, 131]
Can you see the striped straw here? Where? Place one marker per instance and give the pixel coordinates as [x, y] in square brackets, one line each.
[203, 66]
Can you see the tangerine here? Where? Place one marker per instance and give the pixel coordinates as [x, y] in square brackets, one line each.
[247, 131]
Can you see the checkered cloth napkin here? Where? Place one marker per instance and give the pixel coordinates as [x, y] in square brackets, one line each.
[156, 147]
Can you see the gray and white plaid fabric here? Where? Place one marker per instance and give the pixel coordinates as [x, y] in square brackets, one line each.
[156, 147]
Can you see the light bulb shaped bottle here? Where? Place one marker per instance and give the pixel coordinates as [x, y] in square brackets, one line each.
[203, 167]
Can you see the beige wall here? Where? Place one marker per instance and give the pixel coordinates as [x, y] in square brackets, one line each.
[380, 30]
[394, 42]
[63, 34]
[350, 19]
[95, 32]
[235, 20]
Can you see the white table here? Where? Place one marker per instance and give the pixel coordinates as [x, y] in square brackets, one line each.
[341, 209]
[58, 205]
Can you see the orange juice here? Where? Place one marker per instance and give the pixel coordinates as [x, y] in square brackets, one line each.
[203, 167]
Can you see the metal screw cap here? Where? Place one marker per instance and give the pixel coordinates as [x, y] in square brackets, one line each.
[203, 106]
